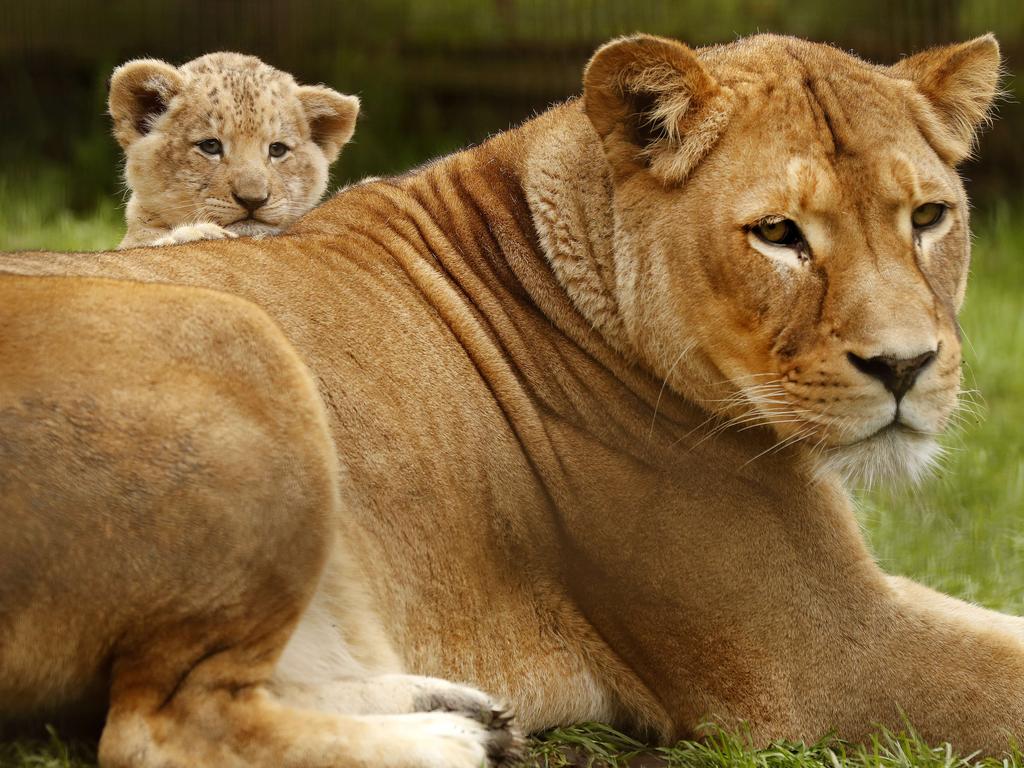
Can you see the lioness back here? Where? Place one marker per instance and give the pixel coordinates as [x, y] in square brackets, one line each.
[224, 145]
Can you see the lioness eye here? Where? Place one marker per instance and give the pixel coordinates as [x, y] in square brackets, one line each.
[210, 146]
[928, 215]
[277, 149]
[779, 232]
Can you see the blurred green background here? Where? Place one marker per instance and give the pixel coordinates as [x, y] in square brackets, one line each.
[434, 75]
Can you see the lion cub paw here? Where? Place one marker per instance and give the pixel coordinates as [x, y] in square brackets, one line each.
[188, 233]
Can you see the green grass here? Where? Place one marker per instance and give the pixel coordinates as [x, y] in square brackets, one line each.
[49, 753]
[34, 216]
[597, 745]
[961, 532]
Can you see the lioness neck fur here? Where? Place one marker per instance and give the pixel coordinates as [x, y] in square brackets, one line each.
[594, 421]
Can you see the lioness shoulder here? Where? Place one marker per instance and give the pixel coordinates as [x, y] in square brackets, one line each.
[224, 145]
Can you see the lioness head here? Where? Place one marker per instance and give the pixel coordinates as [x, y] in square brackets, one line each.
[791, 234]
[225, 139]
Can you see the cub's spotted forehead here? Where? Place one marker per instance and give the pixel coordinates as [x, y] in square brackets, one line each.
[240, 94]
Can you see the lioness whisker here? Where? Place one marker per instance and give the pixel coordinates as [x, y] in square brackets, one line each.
[686, 348]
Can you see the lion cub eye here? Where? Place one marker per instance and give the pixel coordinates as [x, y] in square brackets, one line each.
[277, 149]
[928, 215]
[211, 147]
[782, 232]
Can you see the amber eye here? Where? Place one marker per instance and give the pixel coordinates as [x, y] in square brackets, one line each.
[928, 215]
[210, 147]
[775, 231]
[277, 149]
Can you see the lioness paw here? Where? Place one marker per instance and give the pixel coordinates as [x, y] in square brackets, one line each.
[505, 742]
[188, 233]
[447, 740]
[398, 698]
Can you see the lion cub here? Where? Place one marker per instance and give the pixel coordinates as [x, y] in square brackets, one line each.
[222, 146]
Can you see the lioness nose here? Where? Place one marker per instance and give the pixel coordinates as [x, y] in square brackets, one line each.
[897, 374]
[251, 204]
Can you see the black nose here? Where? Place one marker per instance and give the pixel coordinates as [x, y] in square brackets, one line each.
[251, 203]
[897, 374]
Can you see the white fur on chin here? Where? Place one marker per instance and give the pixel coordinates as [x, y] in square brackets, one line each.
[890, 456]
[252, 229]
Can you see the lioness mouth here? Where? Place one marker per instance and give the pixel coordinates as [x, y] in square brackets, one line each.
[896, 426]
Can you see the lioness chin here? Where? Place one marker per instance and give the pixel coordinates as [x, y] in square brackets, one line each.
[584, 381]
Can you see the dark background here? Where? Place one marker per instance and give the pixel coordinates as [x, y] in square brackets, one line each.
[433, 76]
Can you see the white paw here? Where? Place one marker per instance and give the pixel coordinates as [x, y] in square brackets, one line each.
[187, 233]
[504, 741]
[454, 712]
[436, 740]
[432, 694]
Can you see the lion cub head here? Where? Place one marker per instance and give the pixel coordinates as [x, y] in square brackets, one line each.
[791, 235]
[224, 139]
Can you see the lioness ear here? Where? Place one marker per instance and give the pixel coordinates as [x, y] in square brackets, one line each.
[140, 91]
[331, 115]
[653, 104]
[960, 82]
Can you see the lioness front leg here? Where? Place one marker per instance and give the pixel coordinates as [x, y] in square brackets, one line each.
[166, 518]
[953, 671]
[974, 615]
[898, 654]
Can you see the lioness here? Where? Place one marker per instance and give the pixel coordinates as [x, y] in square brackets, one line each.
[222, 146]
[537, 361]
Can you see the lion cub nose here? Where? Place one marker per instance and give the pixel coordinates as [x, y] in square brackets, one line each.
[251, 204]
[896, 373]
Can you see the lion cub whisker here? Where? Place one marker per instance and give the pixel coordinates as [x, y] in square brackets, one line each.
[187, 131]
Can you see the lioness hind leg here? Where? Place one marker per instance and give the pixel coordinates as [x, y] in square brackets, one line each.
[397, 694]
[208, 724]
[393, 694]
[168, 501]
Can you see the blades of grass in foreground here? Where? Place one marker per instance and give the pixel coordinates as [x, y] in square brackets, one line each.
[591, 745]
[49, 753]
[584, 744]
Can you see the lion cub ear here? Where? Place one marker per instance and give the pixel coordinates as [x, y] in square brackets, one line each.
[654, 105]
[960, 81]
[331, 115]
[140, 91]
